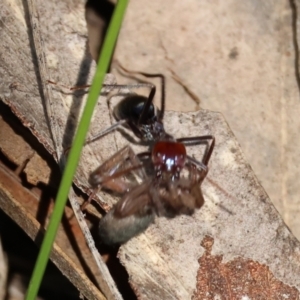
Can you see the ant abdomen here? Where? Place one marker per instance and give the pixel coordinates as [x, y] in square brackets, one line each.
[131, 108]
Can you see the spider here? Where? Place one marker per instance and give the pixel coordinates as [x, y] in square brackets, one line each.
[167, 180]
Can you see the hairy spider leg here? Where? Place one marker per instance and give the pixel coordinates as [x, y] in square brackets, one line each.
[108, 174]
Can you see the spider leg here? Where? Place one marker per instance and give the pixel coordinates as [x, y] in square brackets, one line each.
[109, 174]
[121, 163]
[89, 200]
[134, 201]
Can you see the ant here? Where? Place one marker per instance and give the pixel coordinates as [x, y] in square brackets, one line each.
[169, 180]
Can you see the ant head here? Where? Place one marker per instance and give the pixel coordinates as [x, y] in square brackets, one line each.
[144, 124]
[131, 108]
[168, 157]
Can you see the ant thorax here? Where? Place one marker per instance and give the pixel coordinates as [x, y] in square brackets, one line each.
[168, 158]
[152, 132]
[144, 124]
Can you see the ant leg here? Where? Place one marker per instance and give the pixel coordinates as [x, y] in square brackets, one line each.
[104, 85]
[152, 94]
[105, 132]
[71, 89]
[201, 140]
[99, 135]
[163, 92]
[109, 87]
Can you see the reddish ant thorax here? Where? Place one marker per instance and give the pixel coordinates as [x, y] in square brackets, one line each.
[169, 156]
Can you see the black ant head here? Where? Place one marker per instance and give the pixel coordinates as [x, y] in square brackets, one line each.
[131, 108]
[142, 120]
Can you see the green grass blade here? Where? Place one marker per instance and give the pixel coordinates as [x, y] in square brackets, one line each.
[74, 155]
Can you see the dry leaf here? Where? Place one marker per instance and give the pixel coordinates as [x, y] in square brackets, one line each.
[237, 279]
[237, 214]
